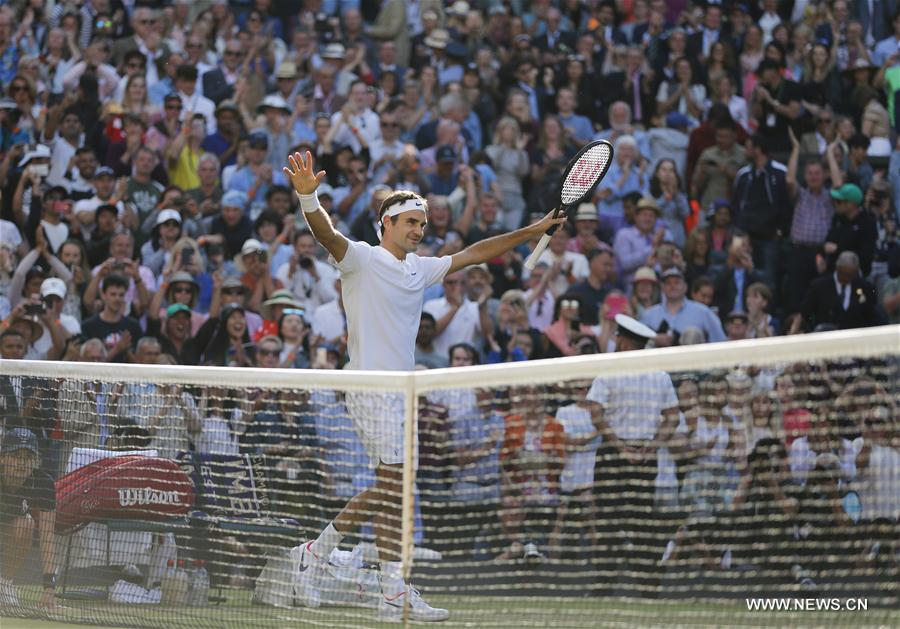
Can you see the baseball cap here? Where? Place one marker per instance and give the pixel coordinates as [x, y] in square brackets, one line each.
[672, 272]
[53, 286]
[168, 215]
[234, 198]
[41, 151]
[258, 140]
[174, 309]
[848, 192]
[104, 171]
[445, 154]
[19, 439]
[737, 314]
[677, 119]
[252, 245]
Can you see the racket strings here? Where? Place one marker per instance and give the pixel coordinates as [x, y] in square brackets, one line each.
[585, 172]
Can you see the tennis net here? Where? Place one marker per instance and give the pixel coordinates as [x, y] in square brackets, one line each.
[685, 486]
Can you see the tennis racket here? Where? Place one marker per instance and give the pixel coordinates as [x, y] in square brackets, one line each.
[583, 172]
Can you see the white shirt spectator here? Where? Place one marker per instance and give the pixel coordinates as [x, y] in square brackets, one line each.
[879, 484]
[9, 233]
[633, 404]
[366, 124]
[45, 342]
[578, 473]
[62, 154]
[580, 269]
[306, 289]
[802, 459]
[464, 327]
[198, 104]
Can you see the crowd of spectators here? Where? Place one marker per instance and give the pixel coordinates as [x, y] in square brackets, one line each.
[751, 192]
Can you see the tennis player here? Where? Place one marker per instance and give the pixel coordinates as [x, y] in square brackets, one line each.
[383, 289]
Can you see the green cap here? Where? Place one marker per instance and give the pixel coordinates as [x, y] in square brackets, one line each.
[176, 308]
[848, 192]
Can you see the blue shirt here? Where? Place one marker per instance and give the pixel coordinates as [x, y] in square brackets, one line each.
[739, 296]
[612, 205]
[580, 126]
[691, 315]
[159, 90]
[244, 179]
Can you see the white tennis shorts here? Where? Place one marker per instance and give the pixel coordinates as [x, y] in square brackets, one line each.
[378, 419]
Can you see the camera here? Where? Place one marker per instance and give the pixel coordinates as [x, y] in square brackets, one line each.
[306, 263]
[187, 256]
[118, 267]
[34, 310]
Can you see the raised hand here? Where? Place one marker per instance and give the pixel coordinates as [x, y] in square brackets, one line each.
[301, 173]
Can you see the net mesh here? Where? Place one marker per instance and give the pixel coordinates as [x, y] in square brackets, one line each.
[656, 486]
[589, 168]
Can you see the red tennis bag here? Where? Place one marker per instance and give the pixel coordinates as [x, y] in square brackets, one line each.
[122, 488]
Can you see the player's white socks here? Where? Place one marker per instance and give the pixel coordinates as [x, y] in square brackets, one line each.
[392, 582]
[326, 542]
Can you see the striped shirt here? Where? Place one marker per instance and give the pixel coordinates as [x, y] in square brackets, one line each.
[812, 217]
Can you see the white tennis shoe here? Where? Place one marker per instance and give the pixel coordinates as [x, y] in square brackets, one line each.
[391, 609]
[308, 570]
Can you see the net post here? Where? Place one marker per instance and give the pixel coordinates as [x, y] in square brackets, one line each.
[410, 440]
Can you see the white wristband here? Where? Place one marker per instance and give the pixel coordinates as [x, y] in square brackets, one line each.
[309, 203]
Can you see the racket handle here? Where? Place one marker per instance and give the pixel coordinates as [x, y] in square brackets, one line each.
[532, 260]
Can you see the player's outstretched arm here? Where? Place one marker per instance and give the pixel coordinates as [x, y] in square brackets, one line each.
[490, 248]
[306, 180]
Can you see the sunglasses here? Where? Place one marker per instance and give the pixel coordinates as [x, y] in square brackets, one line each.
[134, 66]
[233, 53]
[233, 291]
[103, 24]
[147, 22]
[268, 352]
[171, 224]
[389, 124]
[293, 311]
[173, 107]
[17, 88]
[182, 289]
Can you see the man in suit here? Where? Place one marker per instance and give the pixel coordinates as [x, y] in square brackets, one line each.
[842, 299]
[603, 23]
[699, 43]
[146, 39]
[554, 44]
[731, 286]
[218, 83]
[875, 17]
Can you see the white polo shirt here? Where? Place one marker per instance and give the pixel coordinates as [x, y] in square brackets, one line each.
[464, 327]
[383, 300]
[633, 404]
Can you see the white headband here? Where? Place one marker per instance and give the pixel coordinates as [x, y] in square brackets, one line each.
[399, 208]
